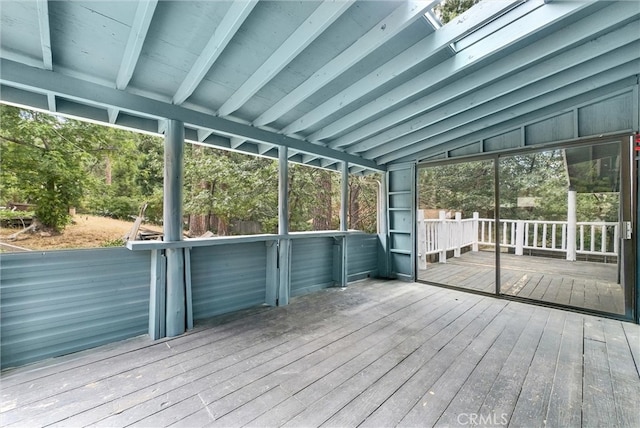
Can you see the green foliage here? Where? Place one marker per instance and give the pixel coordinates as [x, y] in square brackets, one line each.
[42, 163]
[58, 163]
[119, 242]
[10, 215]
[449, 9]
[532, 186]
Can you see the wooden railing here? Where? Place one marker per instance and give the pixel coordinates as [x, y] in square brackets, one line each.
[437, 236]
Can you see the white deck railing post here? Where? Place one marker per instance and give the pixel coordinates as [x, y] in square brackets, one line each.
[571, 224]
[474, 230]
[459, 235]
[443, 237]
[422, 241]
[519, 237]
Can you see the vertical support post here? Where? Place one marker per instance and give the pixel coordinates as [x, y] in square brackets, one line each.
[284, 244]
[422, 241]
[271, 293]
[188, 293]
[172, 212]
[571, 224]
[344, 197]
[443, 238]
[459, 235]
[344, 221]
[157, 304]
[474, 230]
[519, 237]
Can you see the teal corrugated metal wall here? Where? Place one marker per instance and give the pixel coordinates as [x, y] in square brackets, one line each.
[58, 302]
[227, 278]
[362, 256]
[311, 265]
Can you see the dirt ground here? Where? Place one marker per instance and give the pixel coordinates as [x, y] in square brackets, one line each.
[86, 231]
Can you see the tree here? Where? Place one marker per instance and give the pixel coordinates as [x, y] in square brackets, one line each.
[42, 163]
[449, 9]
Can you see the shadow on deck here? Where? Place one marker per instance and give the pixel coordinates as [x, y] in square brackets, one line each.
[582, 284]
[378, 353]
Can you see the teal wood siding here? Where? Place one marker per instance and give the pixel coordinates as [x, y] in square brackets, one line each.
[362, 256]
[614, 113]
[311, 265]
[228, 278]
[58, 302]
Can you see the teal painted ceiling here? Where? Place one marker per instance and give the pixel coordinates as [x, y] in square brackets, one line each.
[368, 82]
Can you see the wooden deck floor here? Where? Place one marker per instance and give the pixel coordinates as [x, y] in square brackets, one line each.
[376, 354]
[581, 284]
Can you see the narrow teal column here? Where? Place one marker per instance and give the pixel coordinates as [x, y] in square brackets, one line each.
[344, 222]
[344, 197]
[284, 244]
[172, 225]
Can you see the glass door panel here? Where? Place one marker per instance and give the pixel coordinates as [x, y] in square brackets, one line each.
[560, 228]
[456, 233]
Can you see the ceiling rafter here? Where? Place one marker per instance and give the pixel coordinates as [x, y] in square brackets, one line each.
[137, 36]
[231, 22]
[419, 52]
[236, 142]
[529, 75]
[35, 79]
[302, 37]
[618, 14]
[533, 22]
[390, 26]
[42, 7]
[567, 37]
[458, 127]
[112, 114]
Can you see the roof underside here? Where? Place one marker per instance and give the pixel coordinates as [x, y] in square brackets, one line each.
[367, 82]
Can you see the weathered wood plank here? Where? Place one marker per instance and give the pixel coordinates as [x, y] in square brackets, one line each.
[501, 398]
[598, 407]
[625, 381]
[407, 388]
[531, 408]
[438, 395]
[244, 371]
[565, 406]
[632, 332]
[402, 361]
[471, 395]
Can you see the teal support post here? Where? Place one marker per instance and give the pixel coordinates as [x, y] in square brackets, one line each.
[344, 225]
[172, 212]
[284, 245]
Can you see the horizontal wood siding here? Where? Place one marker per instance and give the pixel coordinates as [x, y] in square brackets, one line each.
[228, 278]
[311, 265]
[58, 302]
[362, 255]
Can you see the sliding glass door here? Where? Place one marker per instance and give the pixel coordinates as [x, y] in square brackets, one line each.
[561, 226]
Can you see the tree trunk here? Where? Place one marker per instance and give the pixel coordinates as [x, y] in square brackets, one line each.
[322, 208]
[198, 224]
[222, 227]
[354, 206]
